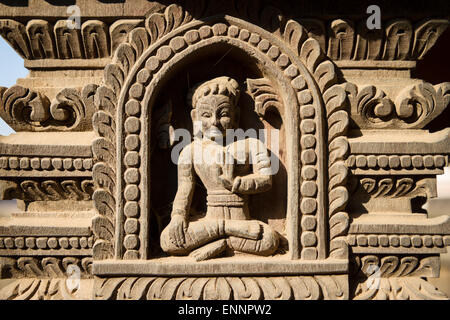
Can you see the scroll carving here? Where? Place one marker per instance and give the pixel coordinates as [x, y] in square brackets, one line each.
[45, 278]
[414, 107]
[386, 186]
[421, 103]
[51, 190]
[29, 267]
[21, 107]
[24, 109]
[400, 278]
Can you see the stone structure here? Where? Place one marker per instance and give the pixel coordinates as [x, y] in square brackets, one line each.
[101, 213]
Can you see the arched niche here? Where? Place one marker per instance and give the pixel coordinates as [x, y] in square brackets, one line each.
[311, 108]
[220, 59]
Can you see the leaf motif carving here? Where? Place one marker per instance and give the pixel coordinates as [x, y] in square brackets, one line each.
[338, 175]
[103, 228]
[125, 57]
[139, 40]
[311, 54]
[104, 203]
[294, 35]
[265, 96]
[160, 24]
[426, 35]
[205, 288]
[338, 199]
[40, 34]
[102, 250]
[104, 177]
[103, 150]
[338, 124]
[339, 224]
[14, 32]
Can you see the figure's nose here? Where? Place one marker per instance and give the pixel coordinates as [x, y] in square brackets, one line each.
[215, 121]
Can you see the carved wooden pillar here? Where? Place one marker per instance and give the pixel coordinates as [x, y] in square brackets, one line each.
[91, 160]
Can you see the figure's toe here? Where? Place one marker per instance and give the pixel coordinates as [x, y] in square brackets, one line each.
[209, 251]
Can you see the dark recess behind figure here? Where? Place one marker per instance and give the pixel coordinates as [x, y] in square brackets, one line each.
[435, 68]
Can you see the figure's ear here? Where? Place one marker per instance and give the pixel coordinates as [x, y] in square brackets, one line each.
[194, 114]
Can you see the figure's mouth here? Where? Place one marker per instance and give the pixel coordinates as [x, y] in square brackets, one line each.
[213, 133]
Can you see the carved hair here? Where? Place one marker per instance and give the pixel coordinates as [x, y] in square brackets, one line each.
[222, 85]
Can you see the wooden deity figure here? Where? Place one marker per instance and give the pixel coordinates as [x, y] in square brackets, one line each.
[230, 171]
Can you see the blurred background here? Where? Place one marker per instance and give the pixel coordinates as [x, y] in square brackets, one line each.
[430, 69]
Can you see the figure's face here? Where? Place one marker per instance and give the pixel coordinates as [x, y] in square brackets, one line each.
[217, 114]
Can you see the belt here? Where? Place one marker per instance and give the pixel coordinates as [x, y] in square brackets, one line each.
[225, 200]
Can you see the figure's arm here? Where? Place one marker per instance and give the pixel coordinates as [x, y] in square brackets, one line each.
[261, 178]
[186, 184]
[180, 211]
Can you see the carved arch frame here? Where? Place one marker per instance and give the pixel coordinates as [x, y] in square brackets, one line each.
[314, 107]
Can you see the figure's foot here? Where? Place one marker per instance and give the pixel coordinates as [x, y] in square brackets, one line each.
[209, 250]
[249, 229]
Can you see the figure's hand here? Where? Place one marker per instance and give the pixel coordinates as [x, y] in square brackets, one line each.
[226, 182]
[177, 229]
[227, 176]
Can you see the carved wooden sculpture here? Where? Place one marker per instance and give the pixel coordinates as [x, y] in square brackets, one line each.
[98, 120]
[244, 169]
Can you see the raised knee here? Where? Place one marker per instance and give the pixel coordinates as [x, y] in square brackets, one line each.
[168, 244]
[269, 242]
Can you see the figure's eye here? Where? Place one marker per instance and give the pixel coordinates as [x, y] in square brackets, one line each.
[206, 115]
[225, 114]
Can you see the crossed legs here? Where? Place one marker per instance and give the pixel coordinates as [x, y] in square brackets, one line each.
[210, 237]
